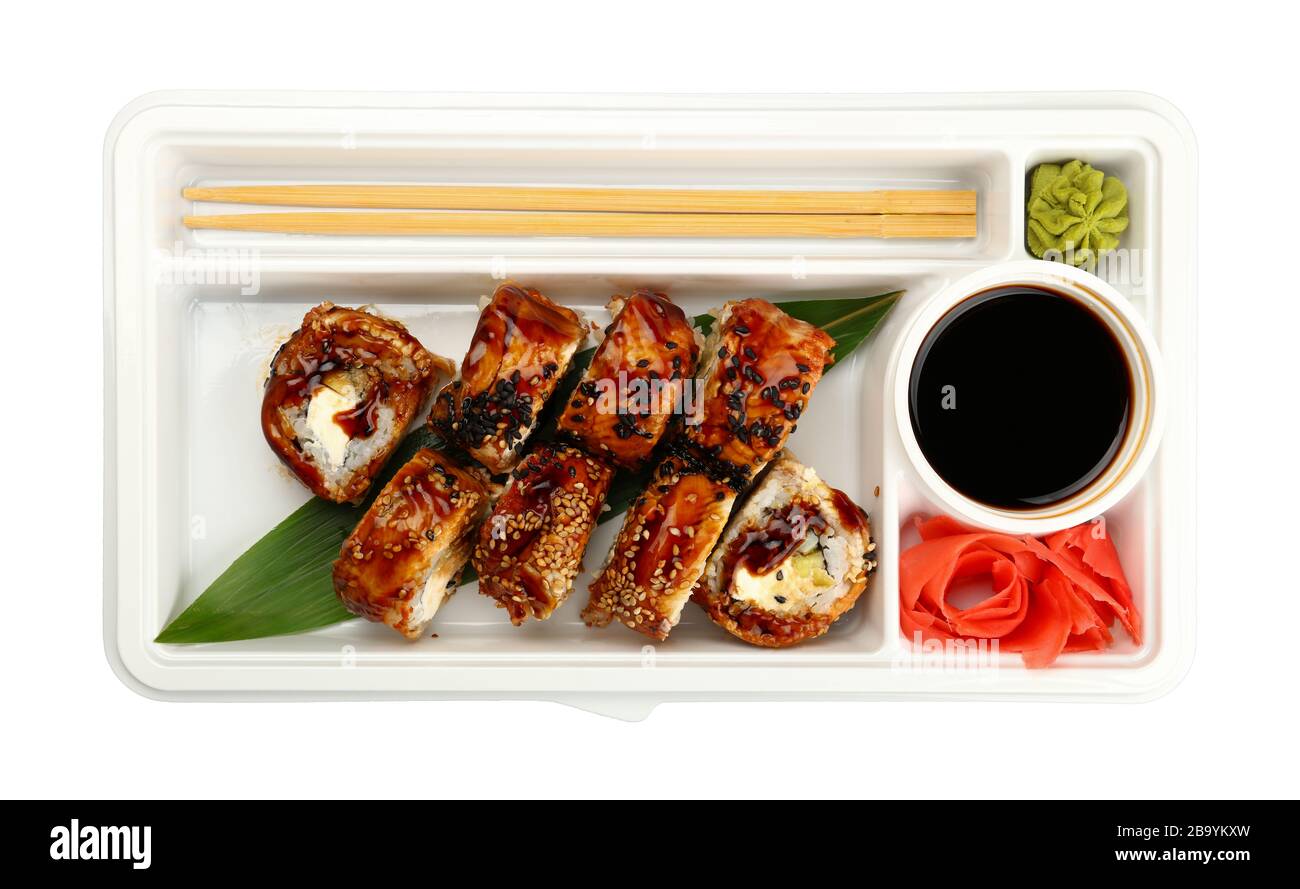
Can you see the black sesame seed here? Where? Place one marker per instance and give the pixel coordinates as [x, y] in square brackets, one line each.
[803, 368]
[740, 330]
[779, 599]
[722, 353]
[644, 362]
[751, 354]
[670, 345]
[806, 388]
[780, 575]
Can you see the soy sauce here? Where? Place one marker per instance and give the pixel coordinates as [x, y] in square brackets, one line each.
[1020, 397]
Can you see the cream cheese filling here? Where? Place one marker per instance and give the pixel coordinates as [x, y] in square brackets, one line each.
[335, 395]
[799, 585]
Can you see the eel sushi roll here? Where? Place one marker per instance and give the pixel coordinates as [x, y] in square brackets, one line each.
[340, 395]
[662, 549]
[405, 557]
[761, 367]
[519, 352]
[795, 557]
[530, 548]
[633, 386]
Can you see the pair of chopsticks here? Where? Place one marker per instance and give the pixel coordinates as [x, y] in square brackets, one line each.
[593, 212]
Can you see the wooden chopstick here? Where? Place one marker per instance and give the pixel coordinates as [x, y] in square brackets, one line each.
[603, 225]
[619, 200]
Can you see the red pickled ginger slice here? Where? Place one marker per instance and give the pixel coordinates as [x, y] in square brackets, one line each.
[1091, 551]
[1044, 598]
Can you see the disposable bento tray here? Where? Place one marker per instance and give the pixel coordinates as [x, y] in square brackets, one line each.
[192, 317]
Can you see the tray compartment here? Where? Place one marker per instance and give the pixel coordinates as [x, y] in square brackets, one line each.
[1136, 534]
[726, 150]
[231, 489]
[1134, 162]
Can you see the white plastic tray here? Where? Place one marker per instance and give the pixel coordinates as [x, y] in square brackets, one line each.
[190, 483]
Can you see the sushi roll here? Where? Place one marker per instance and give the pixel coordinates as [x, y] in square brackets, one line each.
[794, 558]
[519, 352]
[760, 368]
[633, 386]
[340, 395]
[405, 557]
[662, 549]
[530, 548]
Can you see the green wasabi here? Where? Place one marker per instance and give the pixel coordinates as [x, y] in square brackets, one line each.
[1075, 213]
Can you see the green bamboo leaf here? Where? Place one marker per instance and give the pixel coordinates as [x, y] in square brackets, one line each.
[850, 320]
[282, 583]
[276, 586]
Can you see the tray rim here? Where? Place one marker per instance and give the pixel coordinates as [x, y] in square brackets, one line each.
[628, 699]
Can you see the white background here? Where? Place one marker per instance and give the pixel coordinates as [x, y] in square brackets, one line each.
[69, 728]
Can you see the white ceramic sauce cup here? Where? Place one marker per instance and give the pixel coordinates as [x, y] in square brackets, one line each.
[1147, 407]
